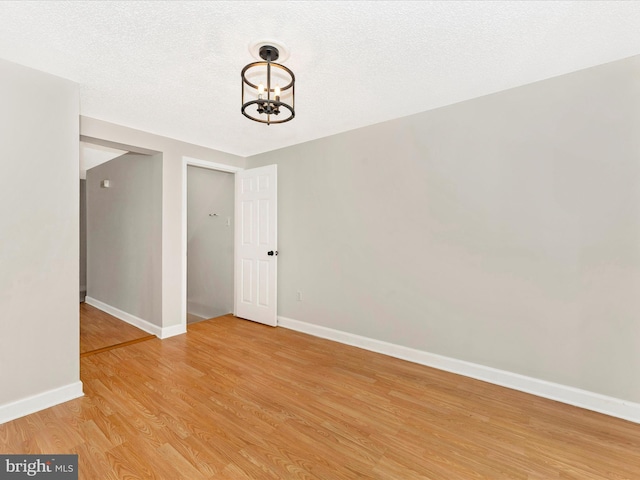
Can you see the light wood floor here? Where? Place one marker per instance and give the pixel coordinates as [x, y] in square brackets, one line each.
[233, 399]
[100, 331]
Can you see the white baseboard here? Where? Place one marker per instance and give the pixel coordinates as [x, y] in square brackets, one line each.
[172, 331]
[596, 402]
[35, 403]
[160, 332]
[125, 317]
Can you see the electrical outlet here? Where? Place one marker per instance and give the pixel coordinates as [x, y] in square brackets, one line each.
[299, 296]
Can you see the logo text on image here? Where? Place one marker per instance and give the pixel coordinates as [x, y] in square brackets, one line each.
[51, 467]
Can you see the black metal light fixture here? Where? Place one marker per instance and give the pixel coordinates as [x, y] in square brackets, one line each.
[268, 89]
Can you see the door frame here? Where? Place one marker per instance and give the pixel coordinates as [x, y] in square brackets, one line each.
[220, 167]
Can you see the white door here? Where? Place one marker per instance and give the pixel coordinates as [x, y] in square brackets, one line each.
[256, 255]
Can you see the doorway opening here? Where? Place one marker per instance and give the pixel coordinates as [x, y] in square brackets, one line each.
[255, 241]
[120, 241]
[91, 155]
[210, 226]
[210, 243]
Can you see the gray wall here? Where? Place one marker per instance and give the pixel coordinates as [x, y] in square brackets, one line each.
[209, 242]
[124, 235]
[503, 230]
[38, 233]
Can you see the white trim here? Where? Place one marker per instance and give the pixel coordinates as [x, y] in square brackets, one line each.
[183, 246]
[126, 317]
[40, 401]
[172, 331]
[596, 402]
[211, 165]
[160, 332]
[221, 167]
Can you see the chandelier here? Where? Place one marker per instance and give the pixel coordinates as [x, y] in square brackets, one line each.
[268, 89]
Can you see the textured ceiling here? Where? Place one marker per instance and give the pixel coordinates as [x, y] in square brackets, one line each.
[173, 68]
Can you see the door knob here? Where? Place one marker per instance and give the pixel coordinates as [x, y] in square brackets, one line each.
[271, 253]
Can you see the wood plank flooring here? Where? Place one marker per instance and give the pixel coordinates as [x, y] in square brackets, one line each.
[100, 331]
[233, 399]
